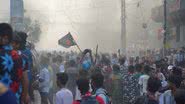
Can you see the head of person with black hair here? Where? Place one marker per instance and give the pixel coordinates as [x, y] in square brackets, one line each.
[174, 82]
[147, 70]
[116, 69]
[72, 63]
[62, 79]
[131, 69]
[44, 61]
[23, 36]
[97, 80]
[6, 34]
[177, 71]
[153, 85]
[83, 85]
[180, 96]
[122, 60]
[16, 41]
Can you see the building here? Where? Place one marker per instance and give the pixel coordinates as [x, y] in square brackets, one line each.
[16, 14]
[175, 21]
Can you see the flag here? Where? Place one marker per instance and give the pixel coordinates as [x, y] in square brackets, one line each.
[67, 41]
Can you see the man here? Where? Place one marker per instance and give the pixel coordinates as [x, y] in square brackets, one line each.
[180, 96]
[18, 45]
[117, 85]
[97, 80]
[64, 96]
[144, 79]
[44, 79]
[153, 86]
[87, 97]
[11, 73]
[130, 87]
[123, 67]
[72, 71]
[174, 84]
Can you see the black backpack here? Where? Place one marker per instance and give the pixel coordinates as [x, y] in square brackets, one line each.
[89, 100]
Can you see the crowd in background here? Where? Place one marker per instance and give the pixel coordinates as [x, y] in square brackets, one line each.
[87, 78]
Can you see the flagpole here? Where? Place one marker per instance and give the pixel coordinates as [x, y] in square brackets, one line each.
[78, 48]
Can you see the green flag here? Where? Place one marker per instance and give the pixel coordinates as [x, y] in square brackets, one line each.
[67, 41]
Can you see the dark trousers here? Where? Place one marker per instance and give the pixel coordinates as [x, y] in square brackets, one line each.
[44, 97]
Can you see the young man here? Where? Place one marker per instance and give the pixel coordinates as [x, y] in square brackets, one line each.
[97, 80]
[83, 86]
[11, 74]
[130, 87]
[153, 86]
[17, 44]
[180, 96]
[174, 83]
[64, 96]
[144, 79]
[117, 85]
[44, 80]
[72, 71]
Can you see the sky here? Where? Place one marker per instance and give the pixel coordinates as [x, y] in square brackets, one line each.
[91, 22]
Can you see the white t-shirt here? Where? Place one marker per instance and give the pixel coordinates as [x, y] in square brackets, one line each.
[143, 80]
[61, 68]
[64, 96]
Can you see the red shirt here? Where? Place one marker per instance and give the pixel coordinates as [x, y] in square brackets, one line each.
[99, 99]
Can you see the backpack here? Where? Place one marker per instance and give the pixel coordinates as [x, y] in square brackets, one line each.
[89, 100]
[142, 100]
[104, 92]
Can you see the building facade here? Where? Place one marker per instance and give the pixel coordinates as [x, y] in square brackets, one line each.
[175, 22]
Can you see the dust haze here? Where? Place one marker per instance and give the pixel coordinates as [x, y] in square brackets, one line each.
[92, 22]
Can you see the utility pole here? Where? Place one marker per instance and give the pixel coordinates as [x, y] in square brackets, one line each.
[17, 14]
[165, 28]
[123, 27]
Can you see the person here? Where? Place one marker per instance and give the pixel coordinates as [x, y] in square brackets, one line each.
[174, 84]
[139, 69]
[61, 62]
[144, 79]
[44, 80]
[97, 81]
[6, 95]
[64, 96]
[180, 96]
[123, 66]
[27, 61]
[72, 71]
[130, 87]
[153, 86]
[117, 85]
[18, 44]
[11, 74]
[86, 96]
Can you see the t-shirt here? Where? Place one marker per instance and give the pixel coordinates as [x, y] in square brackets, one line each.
[11, 70]
[143, 80]
[64, 96]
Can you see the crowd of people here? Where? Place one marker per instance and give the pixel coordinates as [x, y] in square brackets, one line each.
[86, 78]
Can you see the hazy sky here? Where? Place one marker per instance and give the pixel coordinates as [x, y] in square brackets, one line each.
[91, 22]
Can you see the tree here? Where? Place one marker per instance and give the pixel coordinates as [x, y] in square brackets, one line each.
[33, 29]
